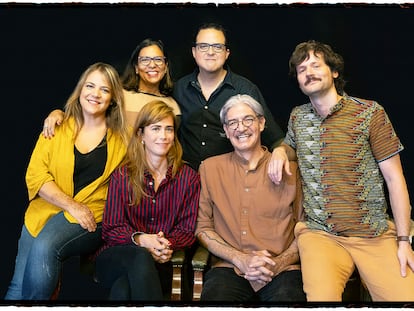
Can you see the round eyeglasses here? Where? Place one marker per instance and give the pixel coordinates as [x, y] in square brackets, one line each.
[246, 121]
[146, 60]
[217, 47]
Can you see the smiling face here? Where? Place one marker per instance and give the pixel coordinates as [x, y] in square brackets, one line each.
[210, 60]
[243, 137]
[151, 74]
[158, 137]
[96, 94]
[314, 76]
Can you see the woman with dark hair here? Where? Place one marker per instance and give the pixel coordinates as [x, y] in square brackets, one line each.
[146, 77]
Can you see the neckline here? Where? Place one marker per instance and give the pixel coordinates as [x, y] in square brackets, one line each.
[148, 93]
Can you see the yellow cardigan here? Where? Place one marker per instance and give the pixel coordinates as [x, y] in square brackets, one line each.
[54, 159]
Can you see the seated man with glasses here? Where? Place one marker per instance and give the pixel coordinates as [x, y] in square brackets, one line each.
[245, 220]
[202, 93]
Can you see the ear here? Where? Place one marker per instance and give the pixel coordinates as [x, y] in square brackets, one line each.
[335, 74]
[193, 51]
[227, 53]
[226, 131]
[262, 123]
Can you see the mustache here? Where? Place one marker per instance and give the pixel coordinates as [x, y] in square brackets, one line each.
[310, 79]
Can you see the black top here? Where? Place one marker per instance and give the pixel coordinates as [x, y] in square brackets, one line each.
[89, 166]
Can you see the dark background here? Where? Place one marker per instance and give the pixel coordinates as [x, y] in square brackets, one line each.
[44, 49]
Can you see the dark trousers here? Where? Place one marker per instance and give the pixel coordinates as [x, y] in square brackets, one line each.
[131, 273]
[224, 285]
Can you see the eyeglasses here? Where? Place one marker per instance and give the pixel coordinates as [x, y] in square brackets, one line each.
[246, 121]
[146, 60]
[217, 47]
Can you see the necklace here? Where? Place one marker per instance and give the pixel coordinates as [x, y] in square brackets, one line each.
[148, 93]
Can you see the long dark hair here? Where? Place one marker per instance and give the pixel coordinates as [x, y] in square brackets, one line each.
[130, 79]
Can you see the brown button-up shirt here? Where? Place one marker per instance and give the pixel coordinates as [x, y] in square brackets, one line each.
[245, 207]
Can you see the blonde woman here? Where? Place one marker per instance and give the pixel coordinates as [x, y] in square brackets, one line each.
[67, 181]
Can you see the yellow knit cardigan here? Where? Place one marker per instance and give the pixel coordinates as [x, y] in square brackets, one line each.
[53, 159]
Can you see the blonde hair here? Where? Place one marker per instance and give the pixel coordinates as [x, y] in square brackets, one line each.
[115, 118]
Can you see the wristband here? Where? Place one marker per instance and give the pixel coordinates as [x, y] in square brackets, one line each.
[133, 235]
[404, 238]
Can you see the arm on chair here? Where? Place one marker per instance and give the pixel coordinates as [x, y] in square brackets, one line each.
[199, 262]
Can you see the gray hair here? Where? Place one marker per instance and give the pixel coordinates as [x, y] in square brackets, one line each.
[240, 99]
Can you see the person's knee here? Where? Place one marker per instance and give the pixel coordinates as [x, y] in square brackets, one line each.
[223, 284]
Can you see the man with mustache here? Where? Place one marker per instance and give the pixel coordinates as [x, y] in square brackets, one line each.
[346, 147]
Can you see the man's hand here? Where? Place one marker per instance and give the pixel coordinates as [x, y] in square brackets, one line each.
[256, 266]
[406, 257]
[277, 164]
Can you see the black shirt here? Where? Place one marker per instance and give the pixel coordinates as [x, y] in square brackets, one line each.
[201, 132]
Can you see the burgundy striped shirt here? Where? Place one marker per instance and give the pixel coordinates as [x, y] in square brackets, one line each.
[172, 209]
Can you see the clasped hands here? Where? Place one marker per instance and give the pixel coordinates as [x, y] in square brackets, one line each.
[257, 266]
[157, 245]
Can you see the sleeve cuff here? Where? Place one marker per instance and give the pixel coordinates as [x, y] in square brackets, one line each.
[133, 235]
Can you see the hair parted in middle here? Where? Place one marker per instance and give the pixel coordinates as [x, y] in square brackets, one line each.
[136, 160]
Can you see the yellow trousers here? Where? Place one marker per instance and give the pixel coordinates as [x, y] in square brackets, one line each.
[328, 261]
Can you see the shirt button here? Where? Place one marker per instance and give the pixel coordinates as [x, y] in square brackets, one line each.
[246, 189]
[204, 125]
[203, 143]
[206, 107]
[153, 201]
[150, 183]
[244, 232]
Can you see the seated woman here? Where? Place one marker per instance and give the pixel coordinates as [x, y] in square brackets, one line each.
[150, 212]
[67, 181]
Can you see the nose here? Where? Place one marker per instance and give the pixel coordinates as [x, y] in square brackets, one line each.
[210, 50]
[163, 133]
[96, 92]
[240, 125]
[151, 63]
[309, 71]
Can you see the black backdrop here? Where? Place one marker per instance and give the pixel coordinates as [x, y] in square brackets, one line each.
[44, 49]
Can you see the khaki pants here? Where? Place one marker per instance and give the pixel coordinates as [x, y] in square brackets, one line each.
[328, 261]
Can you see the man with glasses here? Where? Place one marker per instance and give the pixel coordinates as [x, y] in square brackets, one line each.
[202, 93]
[245, 220]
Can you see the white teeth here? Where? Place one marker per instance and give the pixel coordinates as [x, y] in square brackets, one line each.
[243, 136]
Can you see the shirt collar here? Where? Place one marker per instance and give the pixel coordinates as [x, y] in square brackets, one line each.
[243, 162]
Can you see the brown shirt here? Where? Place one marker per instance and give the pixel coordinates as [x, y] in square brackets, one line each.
[245, 208]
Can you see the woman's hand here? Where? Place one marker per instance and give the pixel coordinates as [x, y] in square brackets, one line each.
[84, 216]
[54, 118]
[157, 245]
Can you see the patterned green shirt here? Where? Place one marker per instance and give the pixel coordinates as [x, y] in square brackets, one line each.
[338, 158]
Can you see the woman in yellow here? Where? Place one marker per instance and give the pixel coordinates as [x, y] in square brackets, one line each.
[67, 180]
